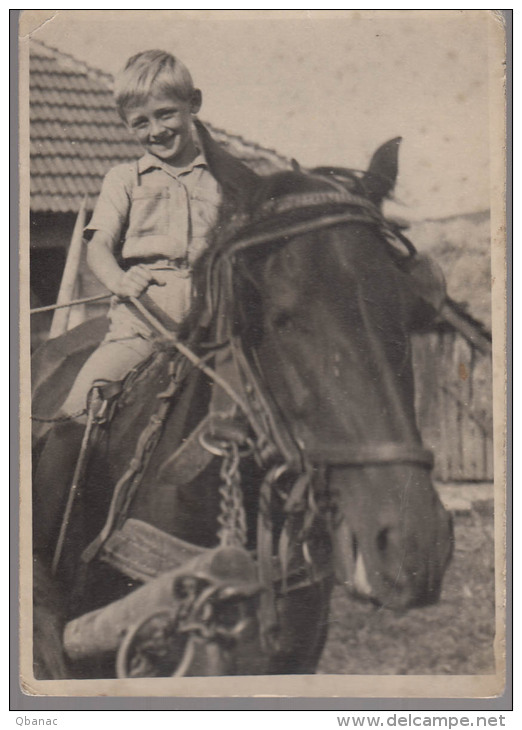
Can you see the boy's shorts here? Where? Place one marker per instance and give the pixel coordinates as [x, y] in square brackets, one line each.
[172, 296]
[129, 340]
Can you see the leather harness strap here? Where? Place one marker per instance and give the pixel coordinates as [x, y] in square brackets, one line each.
[301, 201]
[219, 277]
[238, 382]
[380, 453]
[370, 454]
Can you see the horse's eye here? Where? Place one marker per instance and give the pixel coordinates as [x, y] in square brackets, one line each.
[282, 322]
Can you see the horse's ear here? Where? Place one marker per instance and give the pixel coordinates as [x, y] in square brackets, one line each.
[296, 167]
[379, 180]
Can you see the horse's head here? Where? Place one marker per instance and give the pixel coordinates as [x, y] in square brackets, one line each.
[324, 309]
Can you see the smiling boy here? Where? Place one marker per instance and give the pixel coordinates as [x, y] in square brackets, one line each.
[150, 224]
[153, 216]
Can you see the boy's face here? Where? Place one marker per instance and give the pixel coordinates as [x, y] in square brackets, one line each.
[163, 126]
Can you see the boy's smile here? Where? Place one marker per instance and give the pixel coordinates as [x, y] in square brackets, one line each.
[163, 126]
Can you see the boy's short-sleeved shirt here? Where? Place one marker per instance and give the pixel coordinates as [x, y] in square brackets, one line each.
[156, 210]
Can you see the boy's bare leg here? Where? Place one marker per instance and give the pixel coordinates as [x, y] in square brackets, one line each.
[111, 361]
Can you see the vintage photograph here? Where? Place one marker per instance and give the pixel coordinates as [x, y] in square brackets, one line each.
[262, 261]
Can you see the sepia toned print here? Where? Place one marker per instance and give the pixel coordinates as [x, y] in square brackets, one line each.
[263, 362]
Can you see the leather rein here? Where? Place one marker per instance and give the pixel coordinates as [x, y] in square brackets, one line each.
[272, 438]
[243, 421]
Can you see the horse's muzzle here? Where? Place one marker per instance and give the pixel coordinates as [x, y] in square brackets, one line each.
[391, 546]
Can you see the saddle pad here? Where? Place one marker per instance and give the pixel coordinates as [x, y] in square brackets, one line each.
[54, 367]
[143, 552]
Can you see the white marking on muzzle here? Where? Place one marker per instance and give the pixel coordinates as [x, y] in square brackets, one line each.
[360, 578]
[351, 570]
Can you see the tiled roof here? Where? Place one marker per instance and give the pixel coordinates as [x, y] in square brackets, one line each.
[77, 135]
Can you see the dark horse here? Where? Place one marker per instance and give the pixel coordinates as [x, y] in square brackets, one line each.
[230, 483]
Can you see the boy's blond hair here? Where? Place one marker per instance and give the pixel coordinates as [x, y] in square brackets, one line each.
[151, 72]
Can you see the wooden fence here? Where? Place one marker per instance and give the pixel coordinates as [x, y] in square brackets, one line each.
[453, 383]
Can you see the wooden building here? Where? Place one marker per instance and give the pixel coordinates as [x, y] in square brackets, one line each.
[453, 388]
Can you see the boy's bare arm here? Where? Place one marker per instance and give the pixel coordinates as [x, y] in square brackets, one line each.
[101, 260]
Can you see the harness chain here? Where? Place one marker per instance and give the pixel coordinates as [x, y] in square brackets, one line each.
[232, 518]
[301, 497]
[259, 414]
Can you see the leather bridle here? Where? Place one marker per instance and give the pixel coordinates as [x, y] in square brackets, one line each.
[243, 398]
[244, 233]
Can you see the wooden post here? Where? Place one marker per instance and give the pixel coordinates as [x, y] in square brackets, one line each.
[70, 274]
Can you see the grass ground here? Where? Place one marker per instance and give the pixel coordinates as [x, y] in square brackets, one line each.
[454, 637]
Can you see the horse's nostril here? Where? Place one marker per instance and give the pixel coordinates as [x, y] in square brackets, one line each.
[382, 539]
